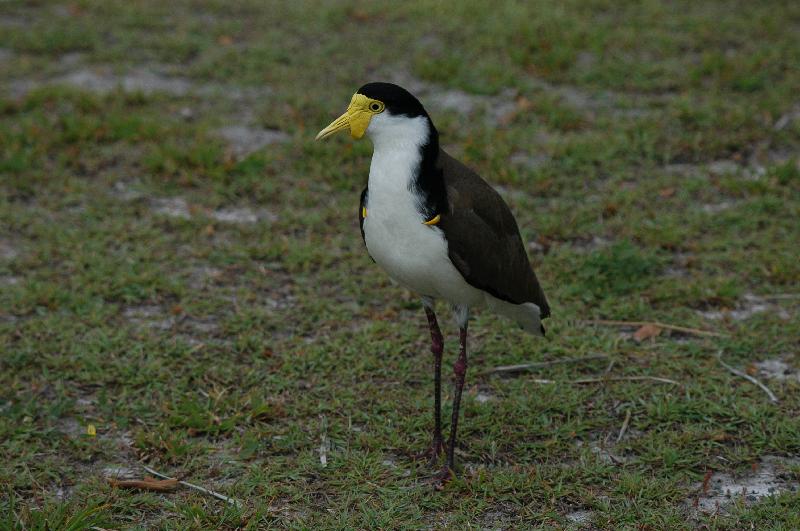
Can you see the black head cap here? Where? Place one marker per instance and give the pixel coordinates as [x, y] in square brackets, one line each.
[398, 100]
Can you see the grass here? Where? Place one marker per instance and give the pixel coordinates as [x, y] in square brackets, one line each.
[223, 352]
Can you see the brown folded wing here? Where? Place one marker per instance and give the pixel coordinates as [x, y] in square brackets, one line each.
[483, 238]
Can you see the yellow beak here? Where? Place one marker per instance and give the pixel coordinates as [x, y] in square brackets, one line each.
[356, 119]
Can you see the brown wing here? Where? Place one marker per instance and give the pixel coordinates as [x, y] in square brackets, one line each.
[483, 238]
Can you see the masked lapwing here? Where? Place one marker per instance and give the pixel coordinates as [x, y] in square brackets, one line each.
[437, 228]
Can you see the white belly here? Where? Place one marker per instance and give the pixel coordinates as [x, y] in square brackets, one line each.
[414, 255]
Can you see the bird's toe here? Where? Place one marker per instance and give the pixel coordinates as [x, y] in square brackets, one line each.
[442, 478]
[432, 453]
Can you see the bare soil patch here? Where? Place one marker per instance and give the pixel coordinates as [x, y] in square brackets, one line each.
[767, 478]
[7, 251]
[777, 369]
[149, 316]
[244, 140]
[102, 80]
[172, 207]
[746, 308]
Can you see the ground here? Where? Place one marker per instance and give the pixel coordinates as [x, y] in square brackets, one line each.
[181, 268]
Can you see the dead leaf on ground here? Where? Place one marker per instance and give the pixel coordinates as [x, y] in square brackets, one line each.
[148, 483]
[645, 332]
[720, 437]
[361, 16]
[707, 480]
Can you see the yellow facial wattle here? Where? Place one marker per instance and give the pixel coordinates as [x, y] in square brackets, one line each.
[357, 118]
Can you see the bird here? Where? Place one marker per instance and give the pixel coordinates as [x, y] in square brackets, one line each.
[439, 229]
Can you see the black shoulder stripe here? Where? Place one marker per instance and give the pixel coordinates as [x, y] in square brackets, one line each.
[429, 182]
[361, 206]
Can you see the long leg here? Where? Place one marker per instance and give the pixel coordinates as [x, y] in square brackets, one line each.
[459, 372]
[437, 348]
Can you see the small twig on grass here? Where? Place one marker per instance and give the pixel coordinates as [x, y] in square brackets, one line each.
[624, 427]
[665, 326]
[737, 372]
[657, 379]
[541, 364]
[158, 485]
[204, 490]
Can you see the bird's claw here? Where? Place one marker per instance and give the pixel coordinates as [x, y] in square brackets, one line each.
[432, 453]
[442, 478]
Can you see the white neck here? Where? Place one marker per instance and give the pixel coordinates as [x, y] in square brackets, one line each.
[389, 132]
[396, 156]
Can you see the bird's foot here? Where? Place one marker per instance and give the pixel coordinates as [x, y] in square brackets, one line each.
[442, 478]
[432, 453]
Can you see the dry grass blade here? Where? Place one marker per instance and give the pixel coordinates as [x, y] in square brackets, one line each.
[737, 372]
[204, 490]
[657, 379]
[538, 365]
[158, 485]
[683, 329]
[323, 445]
[624, 427]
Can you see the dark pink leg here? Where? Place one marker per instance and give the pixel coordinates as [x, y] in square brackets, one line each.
[459, 372]
[437, 348]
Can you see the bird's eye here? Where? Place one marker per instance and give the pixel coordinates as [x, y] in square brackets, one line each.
[376, 106]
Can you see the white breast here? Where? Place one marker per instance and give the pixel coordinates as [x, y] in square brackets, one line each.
[413, 254]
